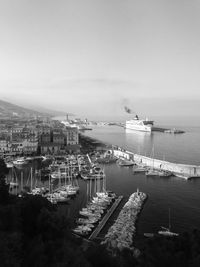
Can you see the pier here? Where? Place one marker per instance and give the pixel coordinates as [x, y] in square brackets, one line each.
[184, 171]
[166, 130]
[105, 218]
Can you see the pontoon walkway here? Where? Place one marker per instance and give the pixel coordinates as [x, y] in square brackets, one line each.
[105, 218]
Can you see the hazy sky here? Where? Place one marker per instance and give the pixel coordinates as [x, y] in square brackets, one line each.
[89, 57]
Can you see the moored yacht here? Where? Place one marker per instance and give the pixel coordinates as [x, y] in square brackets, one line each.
[167, 231]
[125, 162]
[140, 169]
[20, 162]
[152, 172]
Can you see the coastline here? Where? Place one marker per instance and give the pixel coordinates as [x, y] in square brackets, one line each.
[89, 144]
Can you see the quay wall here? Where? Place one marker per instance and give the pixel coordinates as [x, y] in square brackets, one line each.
[183, 169]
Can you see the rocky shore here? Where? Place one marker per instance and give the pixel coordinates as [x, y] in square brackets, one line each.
[120, 234]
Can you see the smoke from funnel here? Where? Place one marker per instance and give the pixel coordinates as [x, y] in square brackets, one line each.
[128, 110]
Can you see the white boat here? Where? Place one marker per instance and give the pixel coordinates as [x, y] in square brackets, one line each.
[14, 184]
[140, 169]
[139, 125]
[167, 231]
[152, 172]
[163, 173]
[9, 164]
[149, 234]
[87, 221]
[90, 214]
[20, 162]
[60, 198]
[82, 230]
[29, 158]
[125, 162]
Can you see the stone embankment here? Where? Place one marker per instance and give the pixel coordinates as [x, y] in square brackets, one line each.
[181, 170]
[120, 234]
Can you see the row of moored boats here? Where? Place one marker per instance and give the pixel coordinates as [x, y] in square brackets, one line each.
[93, 212]
[140, 168]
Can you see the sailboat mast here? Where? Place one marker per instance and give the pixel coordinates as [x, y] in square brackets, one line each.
[169, 220]
[153, 156]
[31, 180]
[21, 181]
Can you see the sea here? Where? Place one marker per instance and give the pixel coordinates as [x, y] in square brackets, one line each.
[181, 197]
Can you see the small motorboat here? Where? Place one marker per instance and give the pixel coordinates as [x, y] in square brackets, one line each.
[149, 234]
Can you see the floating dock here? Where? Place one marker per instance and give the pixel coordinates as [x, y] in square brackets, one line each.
[105, 218]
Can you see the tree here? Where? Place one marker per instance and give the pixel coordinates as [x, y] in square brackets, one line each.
[4, 188]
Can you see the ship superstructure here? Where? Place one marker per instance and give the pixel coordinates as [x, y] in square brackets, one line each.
[139, 125]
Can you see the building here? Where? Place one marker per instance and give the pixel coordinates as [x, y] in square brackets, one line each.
[17, 147]
[72, 139]
[71, 134]
[58, 137]
[5, 147]
[30, 145]
[24, 140]
[51, 148]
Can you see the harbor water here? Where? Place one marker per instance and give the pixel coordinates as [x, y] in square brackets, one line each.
[181, 196]
[178, 148]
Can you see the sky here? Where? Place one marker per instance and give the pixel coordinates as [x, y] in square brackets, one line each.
[92, 57]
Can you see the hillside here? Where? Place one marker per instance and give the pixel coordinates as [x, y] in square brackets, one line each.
[8, 110]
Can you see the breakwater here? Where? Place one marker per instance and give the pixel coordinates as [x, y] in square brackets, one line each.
[180, 170]
[120, 234]
[184, 171]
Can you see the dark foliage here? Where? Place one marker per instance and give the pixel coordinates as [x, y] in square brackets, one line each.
[4, 195]
[182, 251]
[98, 256]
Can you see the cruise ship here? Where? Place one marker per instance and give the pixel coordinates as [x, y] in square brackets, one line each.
[139, 125]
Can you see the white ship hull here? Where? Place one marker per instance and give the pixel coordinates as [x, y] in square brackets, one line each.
[143, 128]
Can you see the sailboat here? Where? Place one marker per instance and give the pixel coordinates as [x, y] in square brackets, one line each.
[152, 171]
[167, 231]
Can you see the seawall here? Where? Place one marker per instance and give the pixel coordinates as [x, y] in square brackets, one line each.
[182, 170]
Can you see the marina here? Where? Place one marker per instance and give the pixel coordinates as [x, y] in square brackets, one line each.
[120, 178]
[105, 218]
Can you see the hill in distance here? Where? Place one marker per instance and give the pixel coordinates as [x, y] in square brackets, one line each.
[8, 110]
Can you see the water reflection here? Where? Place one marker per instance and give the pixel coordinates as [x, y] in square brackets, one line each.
[140, 141]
